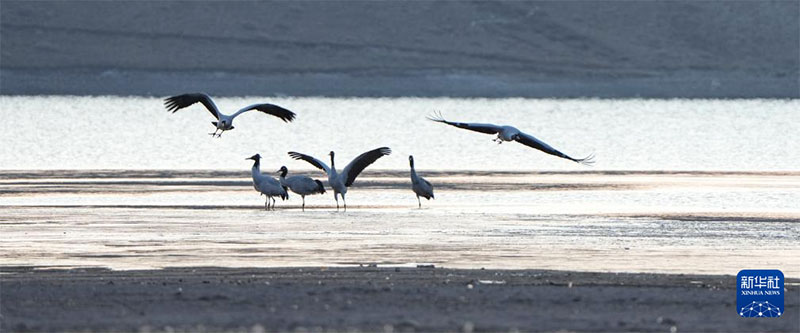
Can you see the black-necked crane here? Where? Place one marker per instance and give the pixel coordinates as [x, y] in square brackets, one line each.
[265, 184]
[420, 186]
[224, 122]
[510, 133]
[302, 185]
[341, 181]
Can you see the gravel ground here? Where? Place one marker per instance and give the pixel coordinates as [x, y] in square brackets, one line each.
[373, 299]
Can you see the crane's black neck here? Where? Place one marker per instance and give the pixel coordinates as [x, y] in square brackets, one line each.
[284, 171]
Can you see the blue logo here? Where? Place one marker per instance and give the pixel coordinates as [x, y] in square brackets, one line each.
[759, 293]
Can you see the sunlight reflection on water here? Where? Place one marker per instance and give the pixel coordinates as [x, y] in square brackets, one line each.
[672, 222]
[62, 132]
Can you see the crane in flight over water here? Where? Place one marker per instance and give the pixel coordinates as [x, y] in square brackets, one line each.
[341, 181]
[509, 133]
[224, 122]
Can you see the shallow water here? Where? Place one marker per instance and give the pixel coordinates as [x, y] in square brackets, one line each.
[138, 133]
[711, 223]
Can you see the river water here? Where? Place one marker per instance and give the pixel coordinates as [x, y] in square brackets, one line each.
[680, 186]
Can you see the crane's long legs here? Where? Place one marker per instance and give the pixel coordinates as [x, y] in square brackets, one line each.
[216, 134]
[419, 202]
[336, 196]
[345, 202]
[304, 202]
[266, 204]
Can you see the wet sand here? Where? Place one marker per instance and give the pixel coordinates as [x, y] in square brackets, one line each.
[375, 299]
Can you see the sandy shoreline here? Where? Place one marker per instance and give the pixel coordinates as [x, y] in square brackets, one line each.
[374, 299]
[239, 265]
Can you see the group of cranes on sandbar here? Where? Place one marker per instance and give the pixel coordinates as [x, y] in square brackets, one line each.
[339, 182]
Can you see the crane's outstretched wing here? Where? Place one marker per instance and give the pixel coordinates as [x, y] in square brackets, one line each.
[358, 164]
[270, 109]
[531, 141]
[313, 161]
[483, 128]
[178, 102]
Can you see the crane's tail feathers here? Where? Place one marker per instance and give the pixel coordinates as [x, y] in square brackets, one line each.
[437, 117]
[320, 187]
[588, 160]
